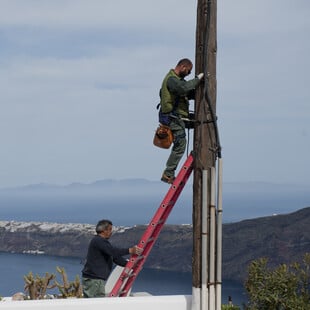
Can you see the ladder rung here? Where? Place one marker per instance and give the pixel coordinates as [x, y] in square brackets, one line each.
[122, 292]
[140, 257]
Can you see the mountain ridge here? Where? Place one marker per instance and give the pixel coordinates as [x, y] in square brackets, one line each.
[282, 238]
[231, 186]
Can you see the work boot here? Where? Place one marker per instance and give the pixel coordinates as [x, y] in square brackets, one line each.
[167, 179]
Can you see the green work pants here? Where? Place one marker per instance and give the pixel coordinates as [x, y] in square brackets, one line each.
[93, 288]
[177, 127]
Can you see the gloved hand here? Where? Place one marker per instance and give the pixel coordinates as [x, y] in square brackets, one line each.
[200, 76]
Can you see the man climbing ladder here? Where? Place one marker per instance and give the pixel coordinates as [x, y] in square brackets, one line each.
[175, 94]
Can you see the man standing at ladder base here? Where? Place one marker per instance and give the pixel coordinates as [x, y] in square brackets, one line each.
[100, 258]
[175, 94]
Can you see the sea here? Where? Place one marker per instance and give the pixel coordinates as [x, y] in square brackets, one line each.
[13, 267]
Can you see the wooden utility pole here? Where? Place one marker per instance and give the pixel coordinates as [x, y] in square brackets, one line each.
[206, 151]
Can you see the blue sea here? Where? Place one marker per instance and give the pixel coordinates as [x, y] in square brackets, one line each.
[156, 282]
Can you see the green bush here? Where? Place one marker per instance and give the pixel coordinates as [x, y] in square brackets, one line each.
[284, 287]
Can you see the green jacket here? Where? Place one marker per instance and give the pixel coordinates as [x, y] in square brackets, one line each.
[176, 91]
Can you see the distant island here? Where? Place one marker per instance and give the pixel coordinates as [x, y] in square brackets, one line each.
[282, 238]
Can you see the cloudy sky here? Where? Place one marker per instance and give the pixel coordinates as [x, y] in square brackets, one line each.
[79, 84]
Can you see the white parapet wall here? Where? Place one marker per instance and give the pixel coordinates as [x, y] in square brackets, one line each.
[171, 302]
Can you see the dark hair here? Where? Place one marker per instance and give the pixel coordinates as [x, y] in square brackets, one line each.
[102, 225]
[184, 61]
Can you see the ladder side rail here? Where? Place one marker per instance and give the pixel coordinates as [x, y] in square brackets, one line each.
[131, 264]
[139, 264]
[177, 187]
[134, 265]
[146, 245]
[178, 184]
[124, 280]
[147, 248]
[120, 287]
[157, 221]
[169, 200]
[157, 228]
[125, 275]
[166, 207]
[120, 282]
[130, 280]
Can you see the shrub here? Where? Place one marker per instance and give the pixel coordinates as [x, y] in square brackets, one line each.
[37, 286]
[284, 287]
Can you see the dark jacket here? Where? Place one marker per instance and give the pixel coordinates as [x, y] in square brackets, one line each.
[100, 257]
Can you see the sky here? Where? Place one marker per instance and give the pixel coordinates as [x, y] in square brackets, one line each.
[79, 83]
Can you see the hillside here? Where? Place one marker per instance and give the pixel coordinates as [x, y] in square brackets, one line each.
[281, 238]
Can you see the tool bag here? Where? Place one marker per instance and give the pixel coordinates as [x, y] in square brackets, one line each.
[163, 137]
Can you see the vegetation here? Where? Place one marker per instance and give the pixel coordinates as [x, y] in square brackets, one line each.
[36, 287]
[280, 288]
[69, 289]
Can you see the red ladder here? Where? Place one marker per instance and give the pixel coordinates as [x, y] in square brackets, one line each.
[135, 263]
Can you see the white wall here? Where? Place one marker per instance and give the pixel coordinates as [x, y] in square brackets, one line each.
[177, 302]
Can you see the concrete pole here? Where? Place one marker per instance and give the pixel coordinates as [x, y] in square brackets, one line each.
[204, 242]
[219, 236]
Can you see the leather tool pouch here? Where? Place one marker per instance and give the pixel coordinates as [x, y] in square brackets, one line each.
[163, 137]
